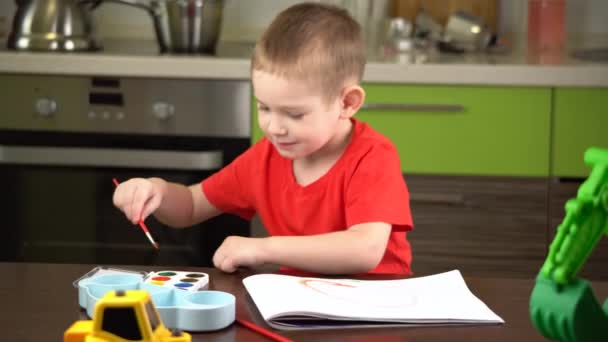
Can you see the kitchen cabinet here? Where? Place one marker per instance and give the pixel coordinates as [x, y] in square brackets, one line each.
[460, 130]
[476, 160]
[580, 120]
[463, 130]
[483, 226]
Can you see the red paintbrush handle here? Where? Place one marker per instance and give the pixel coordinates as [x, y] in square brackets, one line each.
[273, 336]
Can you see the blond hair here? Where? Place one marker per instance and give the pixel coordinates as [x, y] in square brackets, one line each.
[318, 43]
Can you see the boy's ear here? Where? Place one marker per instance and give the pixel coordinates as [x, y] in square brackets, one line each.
[351, 100]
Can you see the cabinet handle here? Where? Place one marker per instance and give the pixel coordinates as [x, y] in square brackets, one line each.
[565, 180]
[410, 107]
[108, 157]
[450, 199]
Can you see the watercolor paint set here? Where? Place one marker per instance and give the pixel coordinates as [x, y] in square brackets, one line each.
[182, 298]
[187, 281]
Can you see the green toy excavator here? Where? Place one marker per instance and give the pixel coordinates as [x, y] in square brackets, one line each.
[563, 307]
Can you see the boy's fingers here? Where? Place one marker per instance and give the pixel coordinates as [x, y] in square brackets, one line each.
[220, 258]
[120, 199]
[150, 207]
[228, 265]
[217, 260]
[140, 197]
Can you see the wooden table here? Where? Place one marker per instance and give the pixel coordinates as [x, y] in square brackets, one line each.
[39, 302]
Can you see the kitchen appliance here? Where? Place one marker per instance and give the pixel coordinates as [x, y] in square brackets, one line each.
[64, 138]
[181, 26]
[427, 28]
[191, 26]
[466, 31]
[57, 25]
[546, 24]
[398, 35]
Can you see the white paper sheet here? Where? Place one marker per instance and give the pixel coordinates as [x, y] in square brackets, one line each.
[288, 302]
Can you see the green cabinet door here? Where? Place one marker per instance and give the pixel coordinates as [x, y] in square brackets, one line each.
[464, 130]
[580, 121]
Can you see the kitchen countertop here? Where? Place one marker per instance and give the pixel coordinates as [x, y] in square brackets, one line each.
[141, 59]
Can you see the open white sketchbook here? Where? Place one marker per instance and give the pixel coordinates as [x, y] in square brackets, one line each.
[288, 302]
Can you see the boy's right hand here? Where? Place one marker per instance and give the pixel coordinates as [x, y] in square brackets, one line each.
[137, 198]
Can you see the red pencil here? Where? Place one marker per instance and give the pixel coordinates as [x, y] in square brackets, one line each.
[262, 331]
[142, 224]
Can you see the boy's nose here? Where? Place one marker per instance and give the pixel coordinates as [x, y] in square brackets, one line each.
[275, 127]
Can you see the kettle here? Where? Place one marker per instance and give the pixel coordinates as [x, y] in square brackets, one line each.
[54, 25]
[182, 26]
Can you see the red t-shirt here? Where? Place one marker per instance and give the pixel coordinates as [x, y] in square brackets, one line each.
[365, 185]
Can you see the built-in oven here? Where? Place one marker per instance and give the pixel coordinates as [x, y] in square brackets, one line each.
[63, 139]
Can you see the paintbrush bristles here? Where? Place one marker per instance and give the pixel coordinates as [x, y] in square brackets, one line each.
[142, 225]
[152, 240]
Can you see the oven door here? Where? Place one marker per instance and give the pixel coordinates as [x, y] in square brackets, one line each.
[57, 199]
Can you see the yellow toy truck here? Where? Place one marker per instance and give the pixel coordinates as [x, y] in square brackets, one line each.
[124, 316]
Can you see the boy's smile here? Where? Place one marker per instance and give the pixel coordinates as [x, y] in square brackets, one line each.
[285, 145]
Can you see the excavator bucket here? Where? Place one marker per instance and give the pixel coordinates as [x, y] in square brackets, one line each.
[568, 313]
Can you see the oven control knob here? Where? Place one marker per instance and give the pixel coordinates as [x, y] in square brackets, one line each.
[46, 107]
[163, 110]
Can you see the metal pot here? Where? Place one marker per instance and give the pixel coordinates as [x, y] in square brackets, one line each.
[189, 26]
[183, 26]
[53, 25]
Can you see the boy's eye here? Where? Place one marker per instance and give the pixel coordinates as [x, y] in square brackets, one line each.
[262, 108]
[295, 115]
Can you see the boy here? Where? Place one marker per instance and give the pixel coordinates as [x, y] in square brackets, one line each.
[327, 187]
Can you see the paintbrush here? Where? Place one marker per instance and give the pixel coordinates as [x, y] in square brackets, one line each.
[142, 224]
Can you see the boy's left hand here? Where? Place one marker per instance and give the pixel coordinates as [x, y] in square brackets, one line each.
[238, 251]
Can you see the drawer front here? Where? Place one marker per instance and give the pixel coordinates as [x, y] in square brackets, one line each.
[580, 121]
[483, 226]
[463, 130]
